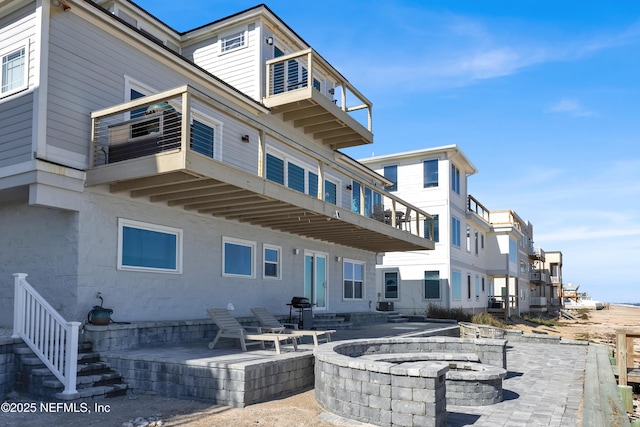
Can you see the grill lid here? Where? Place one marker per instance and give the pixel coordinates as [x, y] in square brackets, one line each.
[300, 302]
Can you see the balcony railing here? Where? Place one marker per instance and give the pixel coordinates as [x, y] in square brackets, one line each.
[308, 91]
[540, 276]
[476, 207]
[538, 302]
[160, 146]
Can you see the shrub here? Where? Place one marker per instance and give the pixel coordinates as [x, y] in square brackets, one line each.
[434, 311]
[485, 318]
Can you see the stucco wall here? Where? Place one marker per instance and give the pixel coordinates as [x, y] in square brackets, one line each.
[137, 295]
[41, 242]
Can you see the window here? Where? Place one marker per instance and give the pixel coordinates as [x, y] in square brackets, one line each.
[313, 184]
[456, 285]
[391, 285]
[271, 262]
[355, 196]
[468, 239]
[455, 179]
[513, 250]
[431, 285]
[391, 173]
[482, 241]
[353, 280]
[202, 138]
[477, 288]
[275, 169]
[295, 177]
[430, 173]
[436, 228]
[468, 286]
[238, 258]
[149, 247]
[330, 193]
[455, 231]
[233, 41]
[483, 285]
[14, 71]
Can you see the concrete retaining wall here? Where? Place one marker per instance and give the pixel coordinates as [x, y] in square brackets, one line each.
[7, 365]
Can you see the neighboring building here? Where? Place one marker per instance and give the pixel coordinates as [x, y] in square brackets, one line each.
[482, 258]
[177, 171]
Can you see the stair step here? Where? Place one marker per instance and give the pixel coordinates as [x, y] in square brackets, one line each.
[97, 391]
[86, 381]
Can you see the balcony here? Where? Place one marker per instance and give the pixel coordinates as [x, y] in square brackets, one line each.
[156, 147]
[536, 254]
[540, 276]
[302, 87]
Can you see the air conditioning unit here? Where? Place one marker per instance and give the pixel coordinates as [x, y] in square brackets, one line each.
[384, 306]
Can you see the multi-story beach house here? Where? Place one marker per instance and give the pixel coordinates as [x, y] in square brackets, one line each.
[483, 259]
[171, 172]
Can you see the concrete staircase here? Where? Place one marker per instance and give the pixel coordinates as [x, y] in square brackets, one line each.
[330, 321]
[396, 317]
[95, 378]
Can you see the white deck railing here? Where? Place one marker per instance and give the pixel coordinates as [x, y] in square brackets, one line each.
[46, 332]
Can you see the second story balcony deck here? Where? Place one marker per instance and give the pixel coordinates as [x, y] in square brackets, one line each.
[314, 97]
[160, 147]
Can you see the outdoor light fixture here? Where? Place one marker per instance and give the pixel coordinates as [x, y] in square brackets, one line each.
[245, 138]
[296, 251]
[338, 258]
[269, 41]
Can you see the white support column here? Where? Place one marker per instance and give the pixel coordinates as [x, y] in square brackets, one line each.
[18, 305]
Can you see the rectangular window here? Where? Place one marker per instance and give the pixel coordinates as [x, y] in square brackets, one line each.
[477, 288]
[482, 241]
[468, 239]
[513, 250]
[238, 258]
[295, 177]
[271, 262]
[202, 136]
[232, 41]
[353, 273]
[431, 285]
[391, 285]
[330, 193]
[436, 228]
[483, 285]
[391, 173]
[355, 196]
[456, 285]
[313, 184]
[468, 286]
[14, 71]
[150, 247]
[455, 231]
[455, 179]
[430, 173]
[476, 240]
[275, 169]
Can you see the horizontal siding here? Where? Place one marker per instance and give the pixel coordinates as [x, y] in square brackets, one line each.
[16, 116]
[238, 67]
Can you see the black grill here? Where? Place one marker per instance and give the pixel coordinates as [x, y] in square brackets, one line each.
[300, 302]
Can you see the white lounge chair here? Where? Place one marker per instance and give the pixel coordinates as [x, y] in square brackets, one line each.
[229, 327]
[269, 323]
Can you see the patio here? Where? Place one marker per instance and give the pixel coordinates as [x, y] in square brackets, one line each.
[229, 376]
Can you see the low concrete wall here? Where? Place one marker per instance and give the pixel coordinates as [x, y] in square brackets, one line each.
[235, 383]
[7, 365]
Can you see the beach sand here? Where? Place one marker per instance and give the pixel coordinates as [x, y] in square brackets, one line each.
[302, 409]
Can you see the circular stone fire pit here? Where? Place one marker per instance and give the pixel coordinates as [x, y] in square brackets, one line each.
[408, 381]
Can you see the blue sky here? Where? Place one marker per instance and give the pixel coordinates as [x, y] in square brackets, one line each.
[543, 97]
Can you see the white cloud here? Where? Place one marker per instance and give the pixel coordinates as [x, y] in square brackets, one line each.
[571, 107]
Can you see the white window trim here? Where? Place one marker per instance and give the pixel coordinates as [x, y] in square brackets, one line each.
[266, 246]
[25, 78]
[240, 242]
[232, 34]
[217, 126]
[123, 222]
[364, 271]
[287, 158]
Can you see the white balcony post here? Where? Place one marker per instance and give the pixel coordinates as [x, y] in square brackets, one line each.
[71, 365]
[186, 122]
[18, 305]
